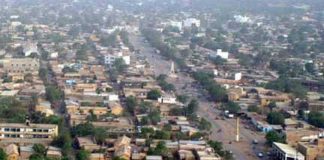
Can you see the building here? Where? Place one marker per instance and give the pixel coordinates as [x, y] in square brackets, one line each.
[27, 133]
[12, 152]
[21, 65]
[190, 22]
[312, 149]
[285, 152]
[167, 99]
[222, 54]
[110, 58]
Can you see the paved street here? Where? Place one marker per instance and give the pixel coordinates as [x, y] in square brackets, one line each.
[184, 84]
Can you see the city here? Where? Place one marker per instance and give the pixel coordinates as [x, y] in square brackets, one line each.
[161, 80]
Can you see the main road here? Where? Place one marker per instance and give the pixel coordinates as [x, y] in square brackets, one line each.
[222, 130]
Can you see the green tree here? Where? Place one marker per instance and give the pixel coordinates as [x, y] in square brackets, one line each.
[272, 105]
[192, 106]
[131, 103]
[39, 149]
[83, 155]
[53, 93]
[253, 108]
[3, 154]
[204, 124]
[83, 129]
[154, 94]
[276, 118]
[162, 134]
[120, 65]
[182, 98]
[316, 119]
[232, 107]
[273, 136]
[160, 149]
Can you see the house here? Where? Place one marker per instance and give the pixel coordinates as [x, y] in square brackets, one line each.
[97, 156]
[312, 149]
[54, 152]
[282, 151]
[44, 107]
[153, 157]
[26, 151]
[122, 147]
[116, 108]
[189, 22]
[167, 99]
[12, 152]
[87, 144]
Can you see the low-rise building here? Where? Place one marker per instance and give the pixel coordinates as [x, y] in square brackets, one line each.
[284, 152]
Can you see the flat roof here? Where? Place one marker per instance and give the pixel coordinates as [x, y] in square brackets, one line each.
[287, 149]
[23, 125]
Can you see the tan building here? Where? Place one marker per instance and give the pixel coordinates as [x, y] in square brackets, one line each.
[27, 133]
[21, 65]
[313, 149]
[12, 152]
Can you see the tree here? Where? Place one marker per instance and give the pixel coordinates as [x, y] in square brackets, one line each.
[204, 124]
[3, 154]
[192, 107]
[232, 107]
[273, 136]
[120, 65]
[100, 135]
[39, 149]
[53, 93]
[160, 149]
[83, 129]
[276, 118]
[154, 94]
[182, 98]
[162, 134]
[316, 119]
[272, 105]
[253, 108]
[83, 155]
[131, 103]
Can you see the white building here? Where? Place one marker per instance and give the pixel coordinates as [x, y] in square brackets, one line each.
[110, 58]
[30, 48]
[167, 100]
[191, 21]
[285, 152]
[242, 19]
[222, 54]
[176, 24]
[238, 76]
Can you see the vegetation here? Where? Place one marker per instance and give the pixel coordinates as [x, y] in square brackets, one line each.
[316, 119]
[254, 108]
[290, 86]
[273, 136]
[53, 94]
[131, 103]
[154, 94]
[216, 92]
[12, 110]
[232, 107]
[276, 118]
[3, 154]
[119, 65]
[218, 148]
[82, 155]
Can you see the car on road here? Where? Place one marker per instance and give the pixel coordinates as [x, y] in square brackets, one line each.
[260, 154]
[255, 141]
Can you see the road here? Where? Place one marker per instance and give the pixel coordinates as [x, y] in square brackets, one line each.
[184, 84]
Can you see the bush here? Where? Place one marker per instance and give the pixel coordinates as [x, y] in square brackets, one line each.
[276, 118]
